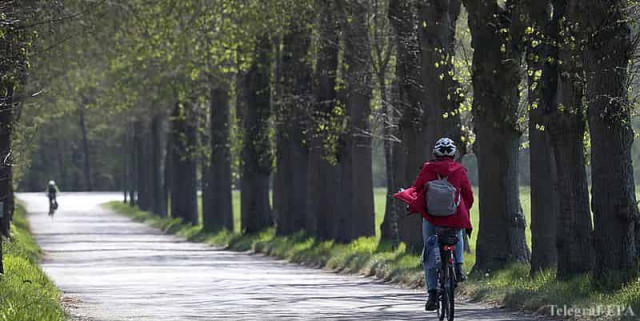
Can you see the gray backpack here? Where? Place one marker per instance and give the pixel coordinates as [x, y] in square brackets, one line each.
[442, 198]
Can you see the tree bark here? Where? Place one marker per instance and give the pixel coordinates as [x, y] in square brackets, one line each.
[183, 161]
[85, 147]
[410, 154]
[566, 128]
[292, 153]
[7, 105]
[389, 226]
[144, 168]
[125, 165]
[168, 165]
[541, 56]
[256, 153]
[324, 176]
[358, 105]
[6, 171]
[608, 51]
[495, 78]
[158, 137]
[218, 212]
[133, 182]
[441, 98]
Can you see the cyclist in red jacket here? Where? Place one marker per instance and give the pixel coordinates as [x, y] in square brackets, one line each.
[444, 165]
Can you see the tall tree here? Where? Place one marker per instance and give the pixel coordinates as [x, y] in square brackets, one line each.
[218, 211]
[183, 175]
[615, 210]
[542, 54]
[85, 144]
[131, 160]
[257, 158]
[441, 100]
[496, 32]
[292, 154]
[382, 51]
[323, 200]
[411, 152]
[158, 137]
[144, 160]
[566, 128]
[358, 105]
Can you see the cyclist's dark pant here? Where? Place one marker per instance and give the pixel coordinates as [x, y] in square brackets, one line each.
[52, 198]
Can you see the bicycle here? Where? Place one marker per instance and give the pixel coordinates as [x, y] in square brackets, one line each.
[53, 206]
[447, 282]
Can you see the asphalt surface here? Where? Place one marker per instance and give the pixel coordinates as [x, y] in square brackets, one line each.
[111, 268]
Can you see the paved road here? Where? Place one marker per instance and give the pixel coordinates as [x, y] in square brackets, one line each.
[110, 268]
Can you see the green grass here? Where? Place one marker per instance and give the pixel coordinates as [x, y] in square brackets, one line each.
[25, 291]
[511, 287]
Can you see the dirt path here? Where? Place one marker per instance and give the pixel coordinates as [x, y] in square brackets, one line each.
[111, 268]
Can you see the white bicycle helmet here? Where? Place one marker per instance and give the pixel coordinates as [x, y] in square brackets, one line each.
[51, 182]
[445, 147]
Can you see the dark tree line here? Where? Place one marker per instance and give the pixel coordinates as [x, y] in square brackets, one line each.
[286, 98]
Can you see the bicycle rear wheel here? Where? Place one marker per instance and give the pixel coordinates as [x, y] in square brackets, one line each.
[441, 295]
[450, 287]
[445, 296]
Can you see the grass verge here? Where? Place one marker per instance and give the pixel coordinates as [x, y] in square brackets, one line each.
[511, 287]
[25, 291]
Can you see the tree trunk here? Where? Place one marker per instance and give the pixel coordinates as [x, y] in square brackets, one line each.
[183, 161]
[158, 137]
[496, 75]
[566, 127]
[7, 106]
[132, 166]
[125, 165]
[144, 168]
[615, 212]
[218, 214]
[360, 213]
[292, 154]
[389, 226]
[412, 151]
[6, 174]
[256, 153]
[544, 200]
[441, 98]
[168, 166]
[324, 199]
[85, 148]
[541, 57]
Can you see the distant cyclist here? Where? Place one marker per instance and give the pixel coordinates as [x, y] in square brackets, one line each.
[444, 175]
[52, 192]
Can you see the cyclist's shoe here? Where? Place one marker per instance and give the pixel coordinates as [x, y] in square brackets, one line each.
[432, 301]
[460, 276]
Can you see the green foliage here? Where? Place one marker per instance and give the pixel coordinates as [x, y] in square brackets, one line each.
[25, 291]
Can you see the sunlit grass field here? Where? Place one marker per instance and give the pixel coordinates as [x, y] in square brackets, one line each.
[25, 291]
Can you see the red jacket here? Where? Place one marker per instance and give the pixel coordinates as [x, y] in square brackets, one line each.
[457, 176]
